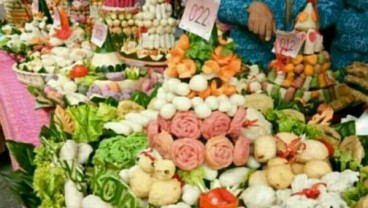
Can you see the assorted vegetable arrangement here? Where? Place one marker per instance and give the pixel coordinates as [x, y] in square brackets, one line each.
[206, 134]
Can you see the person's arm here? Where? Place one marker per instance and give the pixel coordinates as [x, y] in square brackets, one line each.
[234, 12]
[329, 12]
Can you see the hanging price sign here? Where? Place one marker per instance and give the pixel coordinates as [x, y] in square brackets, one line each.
[199, 17]
[99, 33]
[93, 11]
[35, 6]
[288, 43]
[56, 16]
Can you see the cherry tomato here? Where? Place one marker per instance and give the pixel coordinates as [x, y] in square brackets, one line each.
[329, 147]
[78, 71]
[218, 198]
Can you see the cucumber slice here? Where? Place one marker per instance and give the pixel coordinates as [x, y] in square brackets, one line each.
[299, 93]
[272, 76]
[314, 82]
[275, 92]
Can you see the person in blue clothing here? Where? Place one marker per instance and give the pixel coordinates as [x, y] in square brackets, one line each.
[254, 23]
[351, 36]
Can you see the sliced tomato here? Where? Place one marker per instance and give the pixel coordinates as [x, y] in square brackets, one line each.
[78, 71]
[329, 147]
[218, 198]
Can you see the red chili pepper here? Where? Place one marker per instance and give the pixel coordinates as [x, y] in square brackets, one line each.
[329, 147]
[249, 123]
[311, 193]
[218, 198]
[290, 149]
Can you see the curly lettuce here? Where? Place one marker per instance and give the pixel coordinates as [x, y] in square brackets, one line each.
[284, 123]
[193, 177]
[48, 183]
[88, 125]
[120, 152]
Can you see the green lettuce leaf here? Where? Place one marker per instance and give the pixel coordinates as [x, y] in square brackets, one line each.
[88, 126]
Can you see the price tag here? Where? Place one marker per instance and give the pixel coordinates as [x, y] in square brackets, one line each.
[199, 17]
[288, 43]
[93, 11]
[99, 33]
[35, 6]
[56, 16]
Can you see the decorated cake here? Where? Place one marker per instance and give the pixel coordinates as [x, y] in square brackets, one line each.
[307, 75]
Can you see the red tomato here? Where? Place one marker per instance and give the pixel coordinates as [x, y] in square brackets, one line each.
[328, 146]
[78, 71]
[218, 198]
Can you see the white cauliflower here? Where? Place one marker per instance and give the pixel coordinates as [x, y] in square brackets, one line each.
[282, 196]
[339, 182]
[327, 200]
[301, 202]
[259, 196]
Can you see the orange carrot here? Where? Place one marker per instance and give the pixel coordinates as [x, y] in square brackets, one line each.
[183, 42]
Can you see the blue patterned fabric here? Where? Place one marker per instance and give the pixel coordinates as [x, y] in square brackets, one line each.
[351, 41]
[250, 48]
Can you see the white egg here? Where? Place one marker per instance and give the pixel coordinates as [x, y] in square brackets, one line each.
[171, 21]
[166, 86]
[169, 97]
[138, 22]
[181, 89]
[196, 101]
[161, 94]
[158, 103]
[223, 98]
[237, 100]
[168, 111]
[116, 23]
[147, 23]
[173, 83]
[163, 22]
[212, 102]
[233, 81]
[225, 106]
[202, 111]
[198, 83]
[156, 22]
[232, 111]
[182, 103]
[131, 22]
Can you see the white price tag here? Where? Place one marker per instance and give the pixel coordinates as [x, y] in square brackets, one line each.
[199, 17]
[99, 33]
[288, 43]
[93, 11]
[35, 6]
[56, 16]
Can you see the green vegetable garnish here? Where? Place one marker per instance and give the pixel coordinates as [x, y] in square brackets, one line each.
[120, 152]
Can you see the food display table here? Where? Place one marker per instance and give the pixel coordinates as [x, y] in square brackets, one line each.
[18, 118]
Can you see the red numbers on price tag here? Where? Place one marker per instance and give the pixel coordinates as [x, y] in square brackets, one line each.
[199, 17]
[288, 43]
[99, 33]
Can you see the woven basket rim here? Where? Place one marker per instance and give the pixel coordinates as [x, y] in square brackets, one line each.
[15, 68]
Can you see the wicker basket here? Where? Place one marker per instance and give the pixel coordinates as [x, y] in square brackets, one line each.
[30, 78]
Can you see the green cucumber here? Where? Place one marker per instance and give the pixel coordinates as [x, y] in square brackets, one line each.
[275, 92]
[314, 82]
[272, 76]
[299, 93]
[326, 95]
